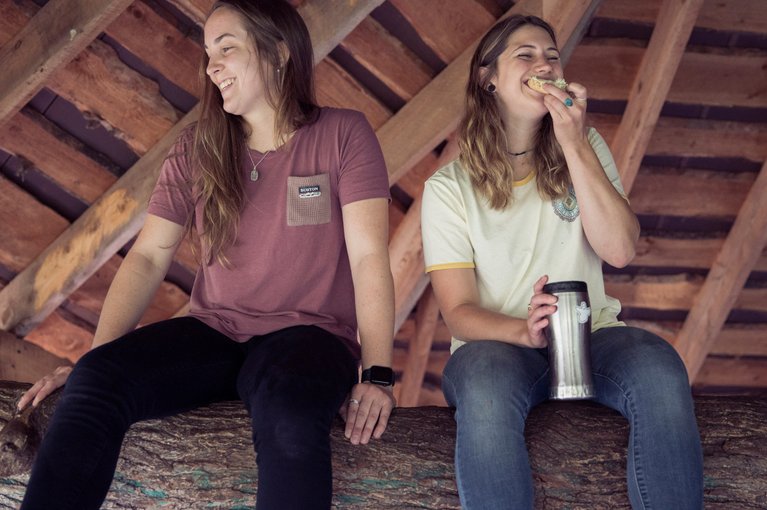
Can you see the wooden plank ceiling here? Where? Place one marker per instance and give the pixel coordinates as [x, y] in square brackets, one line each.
[97, 94]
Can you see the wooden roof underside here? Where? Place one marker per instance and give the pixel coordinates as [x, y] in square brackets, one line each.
[93, 93]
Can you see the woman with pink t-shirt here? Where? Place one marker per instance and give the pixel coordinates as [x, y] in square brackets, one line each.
[288, 204]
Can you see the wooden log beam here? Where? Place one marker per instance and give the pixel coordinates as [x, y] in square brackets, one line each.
[653, 251]
[677, 292]
[105, 89]
[118, 215]
[58, 32]
[704, 194]
[411, 466]
[651, 85]
[459, 21]
[35, 139]
[725, 280]
[720, 15]
[696, 138]
[734, 340]
[387, 58]
[616, 61]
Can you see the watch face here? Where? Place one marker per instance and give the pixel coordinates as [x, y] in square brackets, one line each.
[383, 376]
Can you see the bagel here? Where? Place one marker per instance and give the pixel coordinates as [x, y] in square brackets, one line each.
[536, 83]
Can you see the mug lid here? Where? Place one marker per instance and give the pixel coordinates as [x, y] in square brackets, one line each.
[571, 286]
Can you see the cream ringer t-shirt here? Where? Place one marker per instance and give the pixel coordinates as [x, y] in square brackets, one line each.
[510, 249]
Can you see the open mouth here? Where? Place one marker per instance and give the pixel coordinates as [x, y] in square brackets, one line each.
[225, 84]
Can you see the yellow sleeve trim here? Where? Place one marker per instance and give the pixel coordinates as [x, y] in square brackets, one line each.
[452, 265]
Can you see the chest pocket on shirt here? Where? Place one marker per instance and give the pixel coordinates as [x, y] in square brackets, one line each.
[308, 200]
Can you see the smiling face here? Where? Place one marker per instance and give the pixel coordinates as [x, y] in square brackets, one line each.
[530, 51]
[233, 65]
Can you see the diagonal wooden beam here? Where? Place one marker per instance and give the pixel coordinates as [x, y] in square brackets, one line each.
[651, 85]
[118, 215]
[56, 34]
[427, 119]
[726, 278]
[418, 350]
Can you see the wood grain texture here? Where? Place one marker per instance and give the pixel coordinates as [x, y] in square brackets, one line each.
[723, 288]
[178, 461]
[59, 31]
[387, 58]
[651, 85]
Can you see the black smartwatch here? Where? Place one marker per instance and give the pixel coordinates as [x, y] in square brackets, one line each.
[382, 376]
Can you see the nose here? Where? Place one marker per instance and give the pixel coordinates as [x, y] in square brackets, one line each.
[542, 65]
[213, 67]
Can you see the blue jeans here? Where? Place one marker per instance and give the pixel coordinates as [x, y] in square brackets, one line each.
[493, 386]
[292, 382]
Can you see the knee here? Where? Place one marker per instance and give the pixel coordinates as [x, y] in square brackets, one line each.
[491, 382]
[288, 419]
[647, 368]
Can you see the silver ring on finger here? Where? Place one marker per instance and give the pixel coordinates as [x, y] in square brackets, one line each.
[354, 401]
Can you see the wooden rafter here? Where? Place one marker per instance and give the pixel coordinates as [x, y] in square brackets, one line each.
[118, 215]
[419, 349]
[726, 278]
[651, 85]
[58, 32]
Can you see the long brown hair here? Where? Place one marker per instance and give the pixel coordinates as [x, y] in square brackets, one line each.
[219, 137]
[482, 133]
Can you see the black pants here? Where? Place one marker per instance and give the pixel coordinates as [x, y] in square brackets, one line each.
[292, 382]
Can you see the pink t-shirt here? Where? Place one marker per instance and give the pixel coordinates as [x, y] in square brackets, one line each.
[289, 263]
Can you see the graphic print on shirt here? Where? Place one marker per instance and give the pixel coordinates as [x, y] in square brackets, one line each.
[567, 208]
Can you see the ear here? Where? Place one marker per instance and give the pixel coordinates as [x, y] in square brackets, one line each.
[282, 48]
[483, 72]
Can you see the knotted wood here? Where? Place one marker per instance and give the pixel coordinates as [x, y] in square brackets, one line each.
[577, 451]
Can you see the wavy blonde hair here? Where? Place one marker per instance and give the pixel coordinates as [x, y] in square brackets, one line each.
[482, 132]
[219, 137]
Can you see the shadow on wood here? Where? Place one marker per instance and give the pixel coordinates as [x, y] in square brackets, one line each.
[577, 451]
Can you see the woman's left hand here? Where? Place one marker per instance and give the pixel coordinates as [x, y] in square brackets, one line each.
[569, 121]
[367, 411]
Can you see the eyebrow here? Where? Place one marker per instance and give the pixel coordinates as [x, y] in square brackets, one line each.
[530, 46]
[218, 39]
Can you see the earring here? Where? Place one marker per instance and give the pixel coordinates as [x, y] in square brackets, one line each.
[491, 88]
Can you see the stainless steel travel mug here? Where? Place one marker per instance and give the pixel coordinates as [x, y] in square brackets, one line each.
[569, 335]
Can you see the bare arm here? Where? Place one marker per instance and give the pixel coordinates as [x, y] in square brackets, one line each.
[610, 225]
[130, 293]
[458, 298]
[366, 234]
[140, 274]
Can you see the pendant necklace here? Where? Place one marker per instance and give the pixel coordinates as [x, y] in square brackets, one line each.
[254, 172]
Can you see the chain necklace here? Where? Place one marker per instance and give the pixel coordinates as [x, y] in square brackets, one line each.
[254, 172]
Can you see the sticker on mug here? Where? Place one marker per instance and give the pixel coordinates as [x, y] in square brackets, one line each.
[583, 311]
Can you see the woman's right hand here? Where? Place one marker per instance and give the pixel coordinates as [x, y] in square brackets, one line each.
[44, 387]
[541, 305]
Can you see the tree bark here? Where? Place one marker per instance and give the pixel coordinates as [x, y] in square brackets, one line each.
[577, 451]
